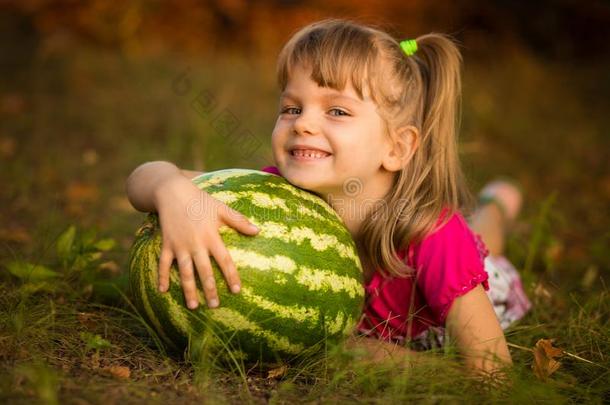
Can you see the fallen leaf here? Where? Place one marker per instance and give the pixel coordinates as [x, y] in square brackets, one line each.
[95, 360]
[111, 267]
[605, 185]
[13, 103]
[589, 277]
[277, 372]
[121, 203]
[7, 147]
[541, 292]
[77, 195]
[119, 371]
[544, 358]
[90, 157]
[87, 318]
[81, 192]
[554, 251]
[16, 234]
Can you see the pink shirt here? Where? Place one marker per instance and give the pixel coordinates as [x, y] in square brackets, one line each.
[448, 263]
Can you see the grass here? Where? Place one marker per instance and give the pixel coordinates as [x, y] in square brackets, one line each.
[57, 347]
[75, 122]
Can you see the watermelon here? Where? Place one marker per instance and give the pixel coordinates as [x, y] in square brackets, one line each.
[301, 276]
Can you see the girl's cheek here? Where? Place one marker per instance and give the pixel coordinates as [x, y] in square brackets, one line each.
[277, 143]
[281, 126]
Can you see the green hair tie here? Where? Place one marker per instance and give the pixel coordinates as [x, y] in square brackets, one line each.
[409, 46]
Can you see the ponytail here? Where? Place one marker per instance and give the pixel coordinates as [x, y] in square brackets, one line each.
[439, 63]
[432, 183]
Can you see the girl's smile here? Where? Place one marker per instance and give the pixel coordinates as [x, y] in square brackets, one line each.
[306, 153]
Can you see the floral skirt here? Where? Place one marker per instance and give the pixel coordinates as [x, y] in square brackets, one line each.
[505, 293]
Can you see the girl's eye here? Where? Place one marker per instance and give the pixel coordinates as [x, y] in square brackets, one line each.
[340, 113]
[289, 110]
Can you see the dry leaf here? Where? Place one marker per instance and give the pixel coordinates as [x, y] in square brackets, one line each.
[95, 360]
[78, 194]
[554, 251]
[119, 371]
[90, 157]
[12, 103]
[541, 292]
[589, 277]
[277, 372]
[87, 319]
[605, 185]
[7, 147]
[544, 358]
[81, 192]
[16, 234]
[111, 267]
[121, 203]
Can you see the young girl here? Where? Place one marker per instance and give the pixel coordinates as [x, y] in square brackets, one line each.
[369, 123]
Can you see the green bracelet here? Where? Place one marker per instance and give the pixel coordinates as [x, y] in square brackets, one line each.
[484, 200]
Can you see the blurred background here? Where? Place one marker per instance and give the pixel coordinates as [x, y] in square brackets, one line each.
[91, 89]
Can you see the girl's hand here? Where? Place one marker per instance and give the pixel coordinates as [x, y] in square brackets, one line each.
[190, 219]
[370, 350]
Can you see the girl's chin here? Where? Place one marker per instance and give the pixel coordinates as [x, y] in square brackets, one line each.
[302, 179]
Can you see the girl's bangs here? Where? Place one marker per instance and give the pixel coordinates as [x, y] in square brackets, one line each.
[333, 61]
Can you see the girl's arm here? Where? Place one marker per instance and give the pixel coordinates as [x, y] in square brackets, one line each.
[473, 323]
[189, 219]
[378, 351]
[144, 182]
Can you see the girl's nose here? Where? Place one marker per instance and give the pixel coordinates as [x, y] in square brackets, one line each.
[305, 124]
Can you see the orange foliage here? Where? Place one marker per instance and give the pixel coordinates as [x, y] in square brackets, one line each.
[193, 26]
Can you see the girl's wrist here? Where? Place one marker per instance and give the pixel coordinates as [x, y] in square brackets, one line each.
[166, 186]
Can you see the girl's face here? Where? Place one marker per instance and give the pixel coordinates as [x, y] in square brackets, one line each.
[326, 140]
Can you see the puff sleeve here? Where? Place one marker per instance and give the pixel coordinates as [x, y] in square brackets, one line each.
[448, 264]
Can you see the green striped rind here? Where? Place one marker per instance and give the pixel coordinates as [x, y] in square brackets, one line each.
[306, 204]
[282, 217]
[301, 276]
[143, 276]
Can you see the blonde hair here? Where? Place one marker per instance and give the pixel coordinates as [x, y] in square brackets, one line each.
[422, 90]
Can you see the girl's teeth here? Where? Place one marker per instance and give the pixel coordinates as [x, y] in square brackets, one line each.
[309, 154]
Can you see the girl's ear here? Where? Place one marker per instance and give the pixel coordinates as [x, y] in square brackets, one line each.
[401, 148]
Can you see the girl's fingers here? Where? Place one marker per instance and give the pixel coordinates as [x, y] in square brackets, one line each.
[165, 264]
[206, 275]
[187, 279]
[223, 258]
[239, 221]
